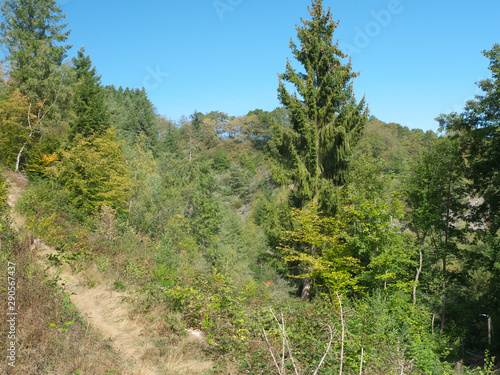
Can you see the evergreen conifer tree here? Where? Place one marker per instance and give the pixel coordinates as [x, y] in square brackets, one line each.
[92, 116]
[325, 120]
[32, 36]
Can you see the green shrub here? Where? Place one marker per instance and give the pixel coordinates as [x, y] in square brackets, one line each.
[221, 161]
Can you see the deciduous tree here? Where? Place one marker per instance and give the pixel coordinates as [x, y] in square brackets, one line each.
[478, 130]
[435, 193]
[13, 122]
[94, 173]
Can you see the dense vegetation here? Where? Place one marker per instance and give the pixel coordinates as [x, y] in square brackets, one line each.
[279, 233]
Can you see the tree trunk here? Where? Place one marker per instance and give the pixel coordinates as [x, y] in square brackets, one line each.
[445, 250]
[432, 324]
[443, 307]
[419, 269]
[38, 123]
[307, 285]
[18, 160]
[306, 289]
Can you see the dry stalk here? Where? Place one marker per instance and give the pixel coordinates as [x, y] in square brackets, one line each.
[326, 351]
[361, 364]
[271, 351]
[343, 333]
[286, 347]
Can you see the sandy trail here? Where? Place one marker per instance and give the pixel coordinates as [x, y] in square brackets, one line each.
[106, 309]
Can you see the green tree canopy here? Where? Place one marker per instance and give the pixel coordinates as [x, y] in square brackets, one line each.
[325, 120]
[33, 35]
[92, 116]
[94, 173]
[477, 128]
[132, 114]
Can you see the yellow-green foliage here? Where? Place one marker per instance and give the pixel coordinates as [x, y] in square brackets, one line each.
[145, 185]
[13, 123]
[3, 196]
[41, 162]
[318, 245]
[94, 173]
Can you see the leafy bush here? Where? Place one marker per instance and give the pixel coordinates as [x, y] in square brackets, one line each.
[94, 173]
[221, 161]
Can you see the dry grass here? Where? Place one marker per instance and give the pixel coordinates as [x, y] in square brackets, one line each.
[51, 337]
[180, 358]
[150, 340]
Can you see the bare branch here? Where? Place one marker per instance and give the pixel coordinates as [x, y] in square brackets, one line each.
[288, 346]
[343, 333]
[271, 351]
[39, 119]
[361, 364]
[29, 116]
[326, 351]
[284, 343]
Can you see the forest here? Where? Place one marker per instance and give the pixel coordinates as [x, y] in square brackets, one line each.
[310, 239]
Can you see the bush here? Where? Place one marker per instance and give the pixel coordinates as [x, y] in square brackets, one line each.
[94, 173]
[221, 161]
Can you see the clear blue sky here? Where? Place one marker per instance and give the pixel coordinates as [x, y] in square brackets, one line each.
[417, 59]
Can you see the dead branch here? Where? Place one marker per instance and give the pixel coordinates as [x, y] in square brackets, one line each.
[39, 118]
[343, 333]
[271, 351]
[361, 364]
[326, 351]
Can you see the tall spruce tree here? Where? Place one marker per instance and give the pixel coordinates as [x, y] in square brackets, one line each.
[33, 37]
[92, 116]
[326, 122]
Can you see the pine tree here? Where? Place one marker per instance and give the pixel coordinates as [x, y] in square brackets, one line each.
[142, 117]
[33, 38]
[132, 114]
[92, 116]
[32, 35]
[325, 120]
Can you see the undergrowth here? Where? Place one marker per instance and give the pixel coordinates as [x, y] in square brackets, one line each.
[50, 336]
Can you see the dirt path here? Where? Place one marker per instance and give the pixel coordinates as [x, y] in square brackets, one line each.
[17, 184]
[107, 311]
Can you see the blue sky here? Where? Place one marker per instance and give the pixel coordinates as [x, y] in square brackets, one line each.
[417, 59]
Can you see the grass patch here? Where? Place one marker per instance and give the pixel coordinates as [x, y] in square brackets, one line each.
[51, 337]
